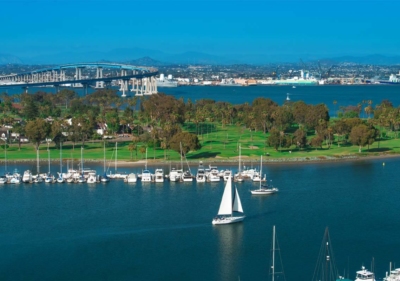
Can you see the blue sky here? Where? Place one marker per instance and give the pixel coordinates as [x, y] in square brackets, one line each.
[264, 28]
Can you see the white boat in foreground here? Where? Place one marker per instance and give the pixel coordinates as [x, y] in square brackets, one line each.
[230, 203]
[394, 274]
[365, 275]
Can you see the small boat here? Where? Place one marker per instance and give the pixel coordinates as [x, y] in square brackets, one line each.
[3, 179]
[104, 178]
[60, 178]
[49, 178]
[15, 178]
[38, 179]
[146, 176]
[81, 179]
[27, 177]
[238, 176]
[230, 203]
[213, 174]
[394, 274]
[187, 176]
[264, 189]
[227, 174]
[201, 174]
[175, 175]
[365, 275]
[159, 175]
[131, 178]
[91, 178]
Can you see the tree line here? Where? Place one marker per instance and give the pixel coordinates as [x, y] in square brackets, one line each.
[158, 120]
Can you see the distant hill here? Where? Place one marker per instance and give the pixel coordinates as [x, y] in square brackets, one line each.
[146, 61]
[370, 59]
[9, 59]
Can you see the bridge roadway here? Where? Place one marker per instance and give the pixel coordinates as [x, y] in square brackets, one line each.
[142, 79]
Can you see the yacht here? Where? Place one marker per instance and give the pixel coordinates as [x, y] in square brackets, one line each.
[227, 175]
[146, 176]
[49, 178]
[201, 174]
[38, 179]
[174, 174]
[365, 275]
[27, 177]
[91, 177]
[15, 178]
[159, 175]
[394, 275]
[213, 175]
[187, 176]
[3, 179]
[131, 178]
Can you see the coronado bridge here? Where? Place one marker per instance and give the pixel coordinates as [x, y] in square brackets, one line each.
[140, 80]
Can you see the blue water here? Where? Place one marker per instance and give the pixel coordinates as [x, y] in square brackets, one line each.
[121, 231]
[343, 95]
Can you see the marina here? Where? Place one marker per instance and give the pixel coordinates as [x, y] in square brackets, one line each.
[76, 231]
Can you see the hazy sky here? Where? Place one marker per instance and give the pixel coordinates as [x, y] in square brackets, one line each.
[220, 27]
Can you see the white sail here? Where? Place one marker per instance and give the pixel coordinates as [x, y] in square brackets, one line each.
[237, 205]
[226, 203]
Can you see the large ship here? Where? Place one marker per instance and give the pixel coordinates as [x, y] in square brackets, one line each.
[303, 80]
[393, 79]
[166, 82]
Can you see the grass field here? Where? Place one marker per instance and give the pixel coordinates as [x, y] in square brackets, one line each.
[218, 143]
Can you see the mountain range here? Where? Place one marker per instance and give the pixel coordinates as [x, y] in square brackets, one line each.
[147, 57]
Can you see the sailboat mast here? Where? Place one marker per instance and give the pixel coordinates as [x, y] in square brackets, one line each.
[146, 159]
[240, 155]
[37, 160]
[60, 157]
[48, 156]
[273, 253]
[116, 156]
[82, 159]
[104, 152]
[180, 145]
[260, 171]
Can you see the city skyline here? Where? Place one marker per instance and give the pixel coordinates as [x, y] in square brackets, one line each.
[254, 31]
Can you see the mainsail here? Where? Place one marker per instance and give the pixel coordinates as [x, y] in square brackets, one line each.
[226, 203]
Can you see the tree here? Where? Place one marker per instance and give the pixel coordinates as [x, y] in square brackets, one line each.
[36, 131]
[189, 142]
[362, 135]
[317, 141]
[300, 138]
[132, 147]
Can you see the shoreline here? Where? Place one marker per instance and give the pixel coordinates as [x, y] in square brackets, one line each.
[228, 162]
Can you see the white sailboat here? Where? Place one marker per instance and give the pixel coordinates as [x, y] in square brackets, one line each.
[186, 175]
[239, 177]
[264, 189]
[275, 248]
[105, 178]
[230, 203]
[60, 178]
[49, 178]
[146, 175]
[81, 178]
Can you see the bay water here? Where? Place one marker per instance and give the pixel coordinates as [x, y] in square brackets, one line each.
[163, 231]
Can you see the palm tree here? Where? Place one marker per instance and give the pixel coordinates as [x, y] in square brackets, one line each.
[131, 147]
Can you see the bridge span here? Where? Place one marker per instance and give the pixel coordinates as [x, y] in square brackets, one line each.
[141, 80]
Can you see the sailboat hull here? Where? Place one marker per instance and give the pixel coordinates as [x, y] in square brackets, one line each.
[227, 220]
[264, 191]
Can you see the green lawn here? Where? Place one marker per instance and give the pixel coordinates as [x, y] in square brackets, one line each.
[220, 143]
